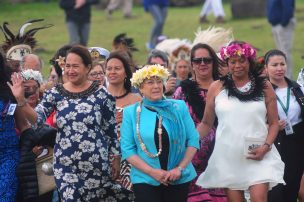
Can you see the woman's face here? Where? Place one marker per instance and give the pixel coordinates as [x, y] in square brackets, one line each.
[53, 76]
[202, 64]
[97, 74]
[182, 69]
[115, 71]
[152, 88]
[75, 71]
[31, 90]
[276, 67]
[238, 66]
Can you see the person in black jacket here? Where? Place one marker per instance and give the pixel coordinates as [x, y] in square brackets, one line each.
[290, 140]
[78, 16]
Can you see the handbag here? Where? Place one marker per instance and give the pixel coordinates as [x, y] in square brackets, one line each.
[46, 134]
[44, 168]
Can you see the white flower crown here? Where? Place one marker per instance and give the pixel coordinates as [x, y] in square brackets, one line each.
[147, 72]
[30, 74]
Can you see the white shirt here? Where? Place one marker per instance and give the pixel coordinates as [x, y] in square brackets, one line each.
[294, 111]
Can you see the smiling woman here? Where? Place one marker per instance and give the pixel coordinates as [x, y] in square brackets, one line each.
[86, 134]
[153, 129]
[244, 104]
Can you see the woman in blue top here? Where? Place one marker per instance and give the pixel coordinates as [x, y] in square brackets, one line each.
[159, 139]
[158, 9]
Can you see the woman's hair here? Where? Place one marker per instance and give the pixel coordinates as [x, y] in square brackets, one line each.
[5, 76]
[252, 62]
[271, 53]
[216, 60]
[123, 57]
[158, 54]
[62, 52]
[96, 63]
[83, 53]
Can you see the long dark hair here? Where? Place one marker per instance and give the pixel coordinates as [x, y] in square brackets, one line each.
[273, 52]
[216, 60]
[124, 58]
[60, 52]
[5, 76]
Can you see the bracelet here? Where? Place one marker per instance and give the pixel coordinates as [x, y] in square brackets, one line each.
[181, 169]
[268, 145]
[22, 104]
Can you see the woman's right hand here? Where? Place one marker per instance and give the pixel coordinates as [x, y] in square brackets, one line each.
[159, 175]
[282, 124]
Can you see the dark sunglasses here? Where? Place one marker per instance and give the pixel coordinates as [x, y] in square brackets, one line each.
[200, 60]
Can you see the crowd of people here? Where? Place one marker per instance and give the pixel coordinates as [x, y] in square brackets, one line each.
[201, 121]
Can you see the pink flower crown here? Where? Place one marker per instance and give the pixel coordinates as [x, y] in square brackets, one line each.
[244, 50]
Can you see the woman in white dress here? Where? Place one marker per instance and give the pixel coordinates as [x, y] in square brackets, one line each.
[243, 157]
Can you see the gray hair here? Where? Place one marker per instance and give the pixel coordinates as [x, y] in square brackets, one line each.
[158, 54]
[22, 62]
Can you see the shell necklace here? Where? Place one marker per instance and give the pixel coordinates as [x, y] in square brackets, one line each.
[159, 132]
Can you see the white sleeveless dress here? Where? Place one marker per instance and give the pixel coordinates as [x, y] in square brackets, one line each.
[228, 166]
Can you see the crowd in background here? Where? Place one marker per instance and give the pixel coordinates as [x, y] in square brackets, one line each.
[199, 121]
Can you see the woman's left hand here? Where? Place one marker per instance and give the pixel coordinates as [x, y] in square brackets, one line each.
[258, 153]
[115, 167]
[17, 86]
[173, 175]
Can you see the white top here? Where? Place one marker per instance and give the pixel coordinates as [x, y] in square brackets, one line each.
[228, 166]
[294, 112]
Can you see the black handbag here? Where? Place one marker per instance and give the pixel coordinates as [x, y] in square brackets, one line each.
[46, 134]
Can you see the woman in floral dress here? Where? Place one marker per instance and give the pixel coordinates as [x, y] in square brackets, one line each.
[86, 135]
[193, 91]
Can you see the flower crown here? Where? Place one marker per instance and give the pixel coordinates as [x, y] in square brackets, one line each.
[147, 72]
[232, 50]
[30, 74]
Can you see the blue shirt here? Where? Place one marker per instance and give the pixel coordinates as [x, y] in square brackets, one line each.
[280, 11]
[130, 144]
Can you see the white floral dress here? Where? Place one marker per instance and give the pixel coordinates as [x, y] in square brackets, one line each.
[86, 136]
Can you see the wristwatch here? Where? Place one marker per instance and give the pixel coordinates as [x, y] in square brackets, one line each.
[181, 169]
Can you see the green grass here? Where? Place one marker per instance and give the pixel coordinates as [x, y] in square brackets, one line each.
[181, 23]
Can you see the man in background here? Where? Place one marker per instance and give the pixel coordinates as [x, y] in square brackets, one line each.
[280, 14]
[32, 61]
[78, 18]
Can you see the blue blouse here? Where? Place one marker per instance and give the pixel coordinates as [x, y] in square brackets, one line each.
[130, 144]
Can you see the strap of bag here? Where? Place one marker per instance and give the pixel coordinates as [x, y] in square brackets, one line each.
[300, 99]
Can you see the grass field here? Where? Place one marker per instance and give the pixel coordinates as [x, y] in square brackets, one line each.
[181, 23]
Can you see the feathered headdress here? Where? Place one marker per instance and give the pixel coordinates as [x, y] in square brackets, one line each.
[215, 37]
[177, 49]
[17, 46]
[121, 40]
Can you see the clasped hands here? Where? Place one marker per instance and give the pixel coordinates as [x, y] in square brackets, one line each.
[166, 177]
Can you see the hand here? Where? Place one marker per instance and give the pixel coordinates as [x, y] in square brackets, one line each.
[282, 124]
[17, 86]
[173, 175]
[170, 85]
[258, 153]
[160, 176]
[115, 167]
[79, 3]
[37, 150]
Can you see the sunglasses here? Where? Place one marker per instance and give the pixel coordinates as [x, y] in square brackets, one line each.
[199, 61]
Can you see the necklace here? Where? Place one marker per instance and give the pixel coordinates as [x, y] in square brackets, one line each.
[159, 132]
[122, 96]
[253, 93]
